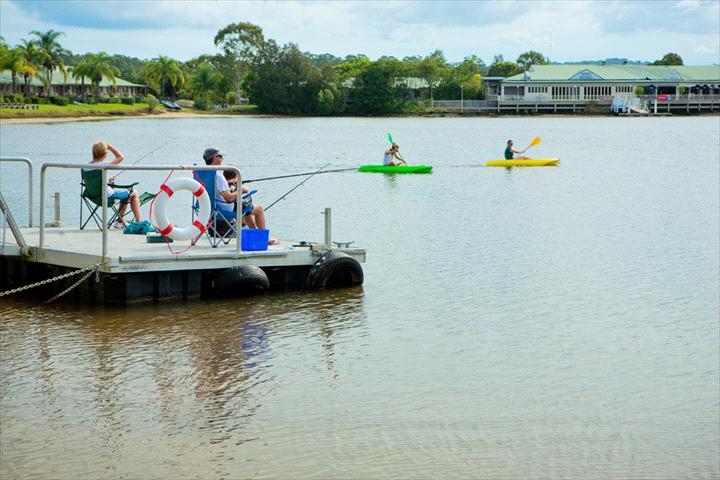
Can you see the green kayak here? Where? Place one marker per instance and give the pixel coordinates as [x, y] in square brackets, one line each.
[396, 168]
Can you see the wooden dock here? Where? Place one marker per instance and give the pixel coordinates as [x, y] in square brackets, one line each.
[109, 266]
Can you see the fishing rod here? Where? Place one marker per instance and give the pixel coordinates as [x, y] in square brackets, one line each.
[141, 158]
[312, 174]
[300, 174]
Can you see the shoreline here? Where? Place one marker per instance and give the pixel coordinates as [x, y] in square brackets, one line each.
[91, 118]
[190, 114]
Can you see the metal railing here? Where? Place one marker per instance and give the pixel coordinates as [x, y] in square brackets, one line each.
[99, 166]
[30, 183]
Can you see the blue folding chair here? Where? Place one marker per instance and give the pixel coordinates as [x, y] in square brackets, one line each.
[222, 224]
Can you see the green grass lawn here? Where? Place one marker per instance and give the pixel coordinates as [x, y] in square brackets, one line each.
[105, 110]
[73, 110]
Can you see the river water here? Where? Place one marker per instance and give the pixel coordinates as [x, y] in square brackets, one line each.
[529, 323]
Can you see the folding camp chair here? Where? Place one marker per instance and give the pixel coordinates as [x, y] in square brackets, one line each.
[222, 224]
[91, 192]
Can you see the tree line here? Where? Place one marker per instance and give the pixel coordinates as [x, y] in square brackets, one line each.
[277, 79]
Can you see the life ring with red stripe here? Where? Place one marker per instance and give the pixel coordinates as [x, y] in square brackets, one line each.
[198, 226]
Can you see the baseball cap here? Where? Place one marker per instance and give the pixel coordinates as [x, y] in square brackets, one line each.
[210, 153]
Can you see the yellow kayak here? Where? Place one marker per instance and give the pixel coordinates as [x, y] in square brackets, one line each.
[526, 162]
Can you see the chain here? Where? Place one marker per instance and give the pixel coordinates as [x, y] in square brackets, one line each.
[94, 267]
[72, 286]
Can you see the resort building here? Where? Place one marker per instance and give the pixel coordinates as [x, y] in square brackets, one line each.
[69, 86]
[556, 88]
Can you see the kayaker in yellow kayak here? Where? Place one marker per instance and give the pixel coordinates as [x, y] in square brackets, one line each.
[511, 154]
[392, 156]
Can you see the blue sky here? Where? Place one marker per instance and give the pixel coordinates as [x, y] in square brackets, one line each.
[565, 31]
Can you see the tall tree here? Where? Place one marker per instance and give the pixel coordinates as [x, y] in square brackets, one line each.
[51, 52]
[432, 69]
[164, 74]
[31, 58]
[376, 90]
[286, 81]
[530, 58]
[204, 83]
[504, 69]
[241, 43]
[96, 66]
[669, 59]
[13, 61]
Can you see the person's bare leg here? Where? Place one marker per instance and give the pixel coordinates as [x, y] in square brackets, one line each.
[249, 220]
[259, 214]
[135, 206]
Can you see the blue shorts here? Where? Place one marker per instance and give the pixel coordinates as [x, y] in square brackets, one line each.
[121, 195]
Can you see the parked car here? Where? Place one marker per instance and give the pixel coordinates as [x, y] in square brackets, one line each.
[170, 105]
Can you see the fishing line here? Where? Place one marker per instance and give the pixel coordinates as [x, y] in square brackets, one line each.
[299, 174]
[141, 158]
[298, 185]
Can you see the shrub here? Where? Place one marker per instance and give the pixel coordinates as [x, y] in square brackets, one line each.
[62, 101]
[592, 107]
[152, 102]
[127, 101]
[114, 100]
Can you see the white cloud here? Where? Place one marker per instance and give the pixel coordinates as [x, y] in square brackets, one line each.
[563, 30]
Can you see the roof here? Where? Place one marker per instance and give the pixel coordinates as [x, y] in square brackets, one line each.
[570, 72]
[59, 79]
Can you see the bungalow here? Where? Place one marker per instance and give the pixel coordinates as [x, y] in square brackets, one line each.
[70, 86]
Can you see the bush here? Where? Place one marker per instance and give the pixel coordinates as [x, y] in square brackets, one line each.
[152, 102]
[592, 107]
[39, 100]
[61, 101]
[114, 100]
[127, 101]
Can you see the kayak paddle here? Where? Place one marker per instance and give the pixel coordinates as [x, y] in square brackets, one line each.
[535, 141]
[390, 138]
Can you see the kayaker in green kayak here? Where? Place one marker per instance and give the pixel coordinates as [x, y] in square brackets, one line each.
[511, 154]
[392, 156]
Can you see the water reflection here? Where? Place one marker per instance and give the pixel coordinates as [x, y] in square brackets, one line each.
[131, 370]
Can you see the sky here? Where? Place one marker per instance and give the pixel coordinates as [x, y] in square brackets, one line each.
[563, 31]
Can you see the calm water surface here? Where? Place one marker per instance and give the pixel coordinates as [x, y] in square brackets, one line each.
[522, 324]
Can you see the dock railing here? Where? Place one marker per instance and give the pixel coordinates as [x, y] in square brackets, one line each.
[30, 183]
[45, 166]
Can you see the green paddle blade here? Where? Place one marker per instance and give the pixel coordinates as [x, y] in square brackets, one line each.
[390, 138]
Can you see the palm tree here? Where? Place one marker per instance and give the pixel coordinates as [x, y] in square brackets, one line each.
[12, 60]
[163, 71]
[205, 81]
[95, 66]
[31, 58]
[52, 53]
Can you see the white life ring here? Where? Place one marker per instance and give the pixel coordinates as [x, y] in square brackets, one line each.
[160, 208]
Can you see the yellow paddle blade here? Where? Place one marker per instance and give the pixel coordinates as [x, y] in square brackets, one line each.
[535, 141]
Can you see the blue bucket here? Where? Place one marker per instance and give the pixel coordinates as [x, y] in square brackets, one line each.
[254, 239]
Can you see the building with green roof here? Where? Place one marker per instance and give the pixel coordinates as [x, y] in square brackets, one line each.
[571, 87]
[69, 86]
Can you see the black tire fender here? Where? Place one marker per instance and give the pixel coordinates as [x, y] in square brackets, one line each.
[242, 280]
[335, 270]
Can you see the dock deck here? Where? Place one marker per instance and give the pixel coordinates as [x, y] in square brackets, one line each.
[128, 268]
[135, 270]
[74, 248]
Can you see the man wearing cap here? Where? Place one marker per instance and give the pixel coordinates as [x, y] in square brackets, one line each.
[224, 196]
